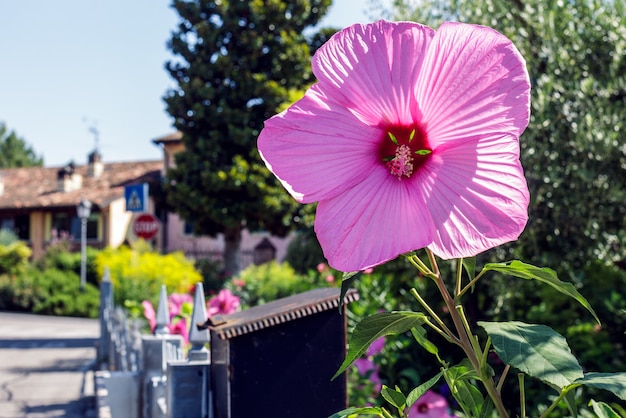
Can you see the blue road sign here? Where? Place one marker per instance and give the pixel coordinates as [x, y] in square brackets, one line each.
[136, 197]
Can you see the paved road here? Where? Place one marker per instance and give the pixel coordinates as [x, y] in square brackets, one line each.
[46, 366]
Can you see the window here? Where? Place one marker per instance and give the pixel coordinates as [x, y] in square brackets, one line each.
[68, 225]
[188, 228]
[18, 224]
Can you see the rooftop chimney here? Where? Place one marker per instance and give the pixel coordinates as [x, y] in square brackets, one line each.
[95, 167]
[68, 179]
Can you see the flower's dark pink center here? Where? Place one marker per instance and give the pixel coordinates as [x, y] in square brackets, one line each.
[404, 149]
[422, 408]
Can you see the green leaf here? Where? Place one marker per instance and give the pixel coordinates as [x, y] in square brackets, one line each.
[464, 370]
[374, 327]
[603, 410]
[460, 379]
[370, 410]
[394, 396]
[346, 284]
[469, 264]
[544, 275]
[536, 350]
[419, 333]
[417, 393]
[613, 382]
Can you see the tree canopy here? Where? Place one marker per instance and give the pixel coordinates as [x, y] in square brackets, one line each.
[236, 63]
[573, 151]
[15, 152]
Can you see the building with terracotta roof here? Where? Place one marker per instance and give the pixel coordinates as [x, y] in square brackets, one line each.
[39, 203]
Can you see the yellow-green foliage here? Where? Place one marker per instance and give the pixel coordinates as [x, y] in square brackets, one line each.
[14, 257]
[138, 273]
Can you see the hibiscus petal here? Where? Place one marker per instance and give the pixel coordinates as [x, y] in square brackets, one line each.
[373, 68]
[373, 222]
[317, 148]
[480, 197]
[473, 82]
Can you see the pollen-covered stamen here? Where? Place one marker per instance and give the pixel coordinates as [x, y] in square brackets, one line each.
[402, 163]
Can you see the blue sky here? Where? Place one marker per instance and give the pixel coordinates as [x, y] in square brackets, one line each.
[70, 65]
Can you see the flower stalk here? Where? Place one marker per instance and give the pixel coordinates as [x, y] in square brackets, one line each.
[467, 341]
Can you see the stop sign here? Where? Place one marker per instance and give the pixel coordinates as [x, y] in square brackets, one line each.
[146, 226]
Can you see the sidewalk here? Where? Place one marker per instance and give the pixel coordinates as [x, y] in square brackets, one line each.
[46, 366]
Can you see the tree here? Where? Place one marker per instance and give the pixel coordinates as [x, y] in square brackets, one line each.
[14, 152]
[237, 63]
[573, 150]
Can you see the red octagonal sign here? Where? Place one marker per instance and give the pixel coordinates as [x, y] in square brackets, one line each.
[146, 226]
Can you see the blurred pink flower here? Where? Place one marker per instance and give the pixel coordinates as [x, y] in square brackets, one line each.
[330, 278]
[149, 313]
[410, 139]
[223, 303]
[321, 267]
[176, 301]
[369, 369]
[179, 326]
[376, 347]
[239, 282]
[430, 405]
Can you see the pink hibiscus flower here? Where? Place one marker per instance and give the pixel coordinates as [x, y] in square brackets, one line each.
[149, 313]
[224, 303]
[430, 405]
[410, 139]
[179, 326]
[369, 369]
[176, 301]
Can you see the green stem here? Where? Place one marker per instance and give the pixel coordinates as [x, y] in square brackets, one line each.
[421, 267]
[522, 395]
[466, 344]
[448, 334]
[470, 284]
[386, 413]
[459, 277]
[564, 392]
[502, 377]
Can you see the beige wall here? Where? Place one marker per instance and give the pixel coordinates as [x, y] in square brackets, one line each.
[118, 222]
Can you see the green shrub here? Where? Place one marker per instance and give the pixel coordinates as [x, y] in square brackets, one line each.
[48, 292]
[264, 283]
[7, 237]
[58, 256]
[304, 252]
[138, 273]
[14, 257]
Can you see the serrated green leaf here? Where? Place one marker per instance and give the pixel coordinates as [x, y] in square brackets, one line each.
[613, 382]
[417, 393]
[374, 327]
[346, 284]
[544, 275]
[370, 410]
[394, 397]
[603, 410]
[419, 333]
[536, 350]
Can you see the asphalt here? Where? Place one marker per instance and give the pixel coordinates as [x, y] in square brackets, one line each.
[46, 366]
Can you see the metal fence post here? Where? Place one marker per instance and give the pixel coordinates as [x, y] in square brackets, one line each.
[189, 382]
[157, 350]
[106, 306]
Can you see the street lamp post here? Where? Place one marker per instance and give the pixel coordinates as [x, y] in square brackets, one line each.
[83, 209]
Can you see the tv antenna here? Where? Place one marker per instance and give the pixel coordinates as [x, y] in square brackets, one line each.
[93, 129]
